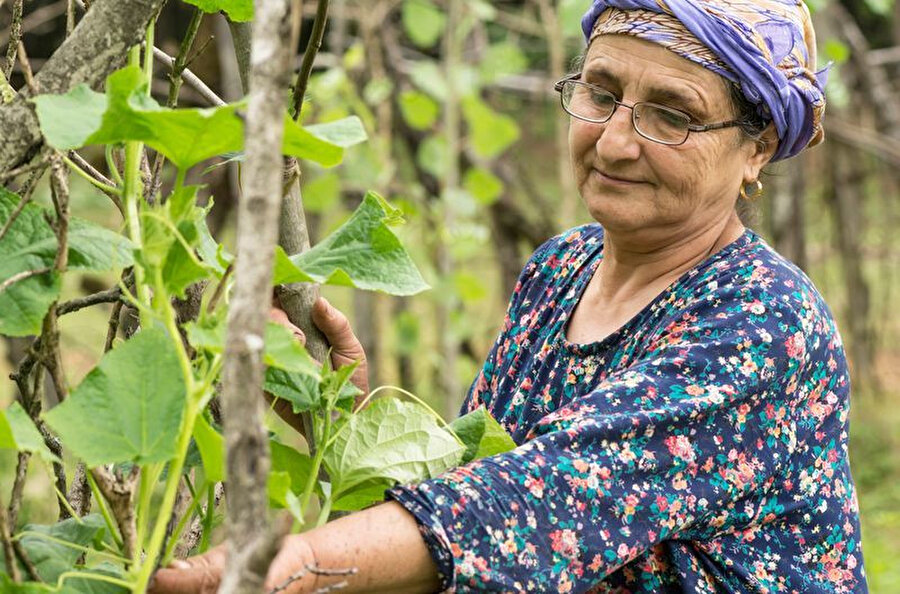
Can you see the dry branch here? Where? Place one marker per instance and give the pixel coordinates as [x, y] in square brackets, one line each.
[242, 398]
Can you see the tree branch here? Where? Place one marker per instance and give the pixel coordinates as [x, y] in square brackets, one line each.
[96, 47]
[251, 542]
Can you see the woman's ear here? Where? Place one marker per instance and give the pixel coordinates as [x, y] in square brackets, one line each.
[763, 150]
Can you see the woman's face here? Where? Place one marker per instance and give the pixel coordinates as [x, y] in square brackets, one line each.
[645, 189]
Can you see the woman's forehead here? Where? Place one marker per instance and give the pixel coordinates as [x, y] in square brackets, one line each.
[623, 59]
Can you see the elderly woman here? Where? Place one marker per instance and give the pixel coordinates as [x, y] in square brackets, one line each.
[678, 390]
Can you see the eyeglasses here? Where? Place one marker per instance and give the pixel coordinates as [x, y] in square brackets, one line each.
[658, 123]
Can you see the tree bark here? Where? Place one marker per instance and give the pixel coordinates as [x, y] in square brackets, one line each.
[245, 434]
[97, 46]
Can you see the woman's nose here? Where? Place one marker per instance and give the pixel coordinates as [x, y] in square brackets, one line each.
[619, 140]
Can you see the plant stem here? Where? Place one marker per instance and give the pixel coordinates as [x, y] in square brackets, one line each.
[104, 511]
[325, 511]
[317, 464]
[81, 172]
[309, 57]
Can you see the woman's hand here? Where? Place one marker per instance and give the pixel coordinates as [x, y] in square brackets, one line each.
[203, 573]
[345, 349]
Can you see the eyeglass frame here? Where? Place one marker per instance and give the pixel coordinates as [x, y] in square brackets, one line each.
[576, 78]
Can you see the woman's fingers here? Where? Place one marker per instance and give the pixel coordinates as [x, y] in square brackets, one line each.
[278, 316]
[196, 575]
[345, 346]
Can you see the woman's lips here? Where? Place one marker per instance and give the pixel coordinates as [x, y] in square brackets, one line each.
[612, 180]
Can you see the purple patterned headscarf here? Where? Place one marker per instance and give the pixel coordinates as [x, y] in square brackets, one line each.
[767, 47]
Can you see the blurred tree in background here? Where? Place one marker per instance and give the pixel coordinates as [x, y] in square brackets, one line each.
[468, 139]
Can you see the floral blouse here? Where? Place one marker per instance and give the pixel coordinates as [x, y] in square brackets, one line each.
[702, 447]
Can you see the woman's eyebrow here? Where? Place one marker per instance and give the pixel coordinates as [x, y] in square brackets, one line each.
[668, 96]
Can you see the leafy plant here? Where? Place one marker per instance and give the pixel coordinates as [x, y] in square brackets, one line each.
[140, 422]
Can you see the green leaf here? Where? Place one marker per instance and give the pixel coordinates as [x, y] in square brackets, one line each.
[423, 22]
[301, 390]
[483, 185]
[363, 253]
[17, 432]
[212, 449]
[482, 434]
[419, 110]
[51, 559]
[502, 59]
[237, 10]
[282, 350]
[344, 133]
[30, 244]
[126, 409]
[391, 440]
[184, 136]
[490, 132]
[71, 132]
[281, 496]
[362, 495]
[296, 465]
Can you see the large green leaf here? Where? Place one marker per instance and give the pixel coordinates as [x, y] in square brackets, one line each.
[129, 407]
[237, 10]
[17, 432]
[363, 253]
[390, 440]
[30, 244]
[423, 22]
[362, 495]
[482, 434]
[53, 558]
[184, 136]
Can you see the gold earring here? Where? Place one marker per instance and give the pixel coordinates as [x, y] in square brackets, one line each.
[755, 194]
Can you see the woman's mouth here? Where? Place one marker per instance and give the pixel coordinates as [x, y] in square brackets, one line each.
[609, 179]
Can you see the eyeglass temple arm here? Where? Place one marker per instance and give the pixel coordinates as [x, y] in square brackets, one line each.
[707, 127]
[558, 87]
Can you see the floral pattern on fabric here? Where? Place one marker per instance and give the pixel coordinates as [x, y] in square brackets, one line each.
[702, 447]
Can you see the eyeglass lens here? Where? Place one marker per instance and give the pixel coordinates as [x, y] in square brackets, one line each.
[651, 121]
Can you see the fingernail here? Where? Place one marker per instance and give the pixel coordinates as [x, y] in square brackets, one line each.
[179, 564]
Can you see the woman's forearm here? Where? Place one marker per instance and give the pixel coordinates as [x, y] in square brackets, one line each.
[383, 544]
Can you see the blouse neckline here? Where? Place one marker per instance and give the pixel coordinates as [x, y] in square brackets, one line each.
[585, 275]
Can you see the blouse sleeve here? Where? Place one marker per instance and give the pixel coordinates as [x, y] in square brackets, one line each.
[660, 448]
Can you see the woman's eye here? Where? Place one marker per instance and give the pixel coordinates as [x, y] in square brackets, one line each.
[602, 99]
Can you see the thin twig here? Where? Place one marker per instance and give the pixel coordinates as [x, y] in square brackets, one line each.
[309, 57]
[26, 69]
[104, 184]
[14, 215]
[18, 489]
[15, 34]
[309, 568]
[179, 64]
[190, 78]
[50, 352]
[119, 493]
[9, 555]
[70, 17]
[25, 274]
[220, 289]
[25, 560]
[113, 326]
[111, 295]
